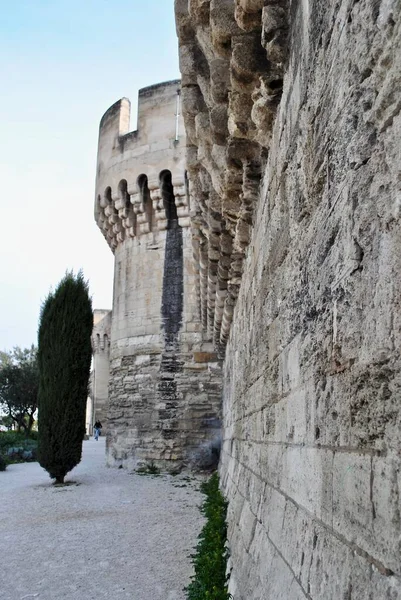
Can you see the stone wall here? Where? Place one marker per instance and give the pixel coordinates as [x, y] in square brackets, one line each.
[165, 379]
[312, 386]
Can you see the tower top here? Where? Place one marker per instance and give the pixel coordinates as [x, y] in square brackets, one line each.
[154, 104]
[134, 167]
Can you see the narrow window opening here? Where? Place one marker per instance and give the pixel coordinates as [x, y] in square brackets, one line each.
[130, 216]
[186, 183]
[167, 191]
[107, 195]
[177, 116]
[144, 192]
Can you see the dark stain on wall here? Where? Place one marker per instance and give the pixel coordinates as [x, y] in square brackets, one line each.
[173, 284]
[172, 310]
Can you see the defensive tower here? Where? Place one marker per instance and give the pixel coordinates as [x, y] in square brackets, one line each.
[100, 367]
[164, 389]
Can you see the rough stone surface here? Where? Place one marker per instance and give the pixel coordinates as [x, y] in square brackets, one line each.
[112, 535]
[312, 387]
[164, 403]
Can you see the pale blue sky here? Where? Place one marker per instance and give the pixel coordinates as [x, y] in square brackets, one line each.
[63, 63]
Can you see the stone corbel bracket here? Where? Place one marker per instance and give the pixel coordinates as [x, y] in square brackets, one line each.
[233, 57]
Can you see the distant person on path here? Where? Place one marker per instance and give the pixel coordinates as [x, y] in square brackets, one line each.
[96, 430]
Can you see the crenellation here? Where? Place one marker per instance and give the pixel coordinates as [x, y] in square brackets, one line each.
[135, 161]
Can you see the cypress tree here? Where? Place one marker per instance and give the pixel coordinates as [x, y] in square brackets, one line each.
[64, 358]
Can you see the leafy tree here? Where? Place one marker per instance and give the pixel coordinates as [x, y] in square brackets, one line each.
[6, 421]
[19, 383]
[64, 356]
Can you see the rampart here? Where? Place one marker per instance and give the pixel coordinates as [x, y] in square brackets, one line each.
[165, 379]
[292, 113]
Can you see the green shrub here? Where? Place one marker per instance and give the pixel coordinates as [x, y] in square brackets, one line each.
[210, 561]
[3, 463]
[9, 439]
[14, 446]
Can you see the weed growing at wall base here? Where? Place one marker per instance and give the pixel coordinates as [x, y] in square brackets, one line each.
[210, 560]
[149, 469]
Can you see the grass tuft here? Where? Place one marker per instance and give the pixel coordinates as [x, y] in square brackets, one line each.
[148, 469]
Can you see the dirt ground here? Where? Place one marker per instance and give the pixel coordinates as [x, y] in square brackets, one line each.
[112, 534]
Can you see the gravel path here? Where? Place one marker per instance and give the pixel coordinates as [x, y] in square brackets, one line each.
[114, 535]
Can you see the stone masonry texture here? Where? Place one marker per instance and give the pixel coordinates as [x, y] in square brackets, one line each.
[292, 113]
[164, 396]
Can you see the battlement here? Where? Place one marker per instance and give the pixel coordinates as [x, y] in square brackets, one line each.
[141, 181]
[154, 109]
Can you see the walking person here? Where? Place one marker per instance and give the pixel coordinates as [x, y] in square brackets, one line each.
[97, 429]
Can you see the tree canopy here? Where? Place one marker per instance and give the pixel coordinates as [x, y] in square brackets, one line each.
[19, 385]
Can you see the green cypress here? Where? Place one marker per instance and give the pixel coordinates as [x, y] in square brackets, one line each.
[64, 358]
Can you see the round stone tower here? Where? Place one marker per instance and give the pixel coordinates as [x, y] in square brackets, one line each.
[165, 379]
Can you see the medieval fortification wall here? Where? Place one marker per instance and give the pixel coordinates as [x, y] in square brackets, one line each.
[292, 113]
[164, 390]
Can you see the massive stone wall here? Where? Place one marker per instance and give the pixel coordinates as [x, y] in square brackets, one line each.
[165, 379]
[312, 384]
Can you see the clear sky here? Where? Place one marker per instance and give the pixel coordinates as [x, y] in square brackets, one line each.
[63, 63]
